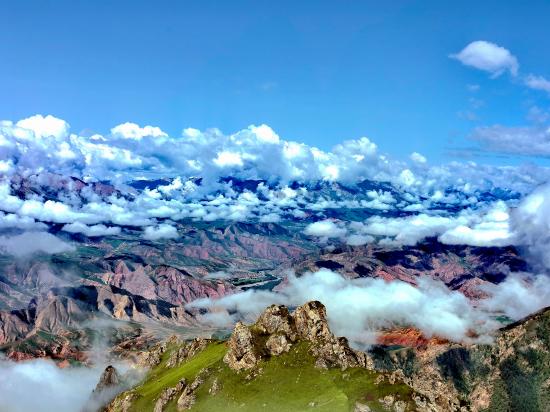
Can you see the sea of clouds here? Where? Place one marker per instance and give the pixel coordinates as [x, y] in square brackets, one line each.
[415, 201]
[44, 151]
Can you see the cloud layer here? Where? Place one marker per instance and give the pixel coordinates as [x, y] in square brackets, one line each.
[359, 308]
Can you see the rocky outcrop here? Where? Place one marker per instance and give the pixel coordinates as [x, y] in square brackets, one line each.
[277, 330]
[278, 344]
[186, 351]
[108, 379]
[122, 403]
[311, 322]
[242, 352]
[188, 397]
[110, 383]
[168, 394]
[183, 391]
[276, 319]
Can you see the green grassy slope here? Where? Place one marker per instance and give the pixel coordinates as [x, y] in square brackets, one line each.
[289, 382]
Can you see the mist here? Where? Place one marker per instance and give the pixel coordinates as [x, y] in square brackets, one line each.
[39, 385]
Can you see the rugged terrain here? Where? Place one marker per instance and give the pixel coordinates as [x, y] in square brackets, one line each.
[291, 361]
[125, 294]
[50, 302]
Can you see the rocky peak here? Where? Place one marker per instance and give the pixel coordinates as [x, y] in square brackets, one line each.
[241, 354]
[311, 321]
[109, 378]
[106, 389]
[277, 330]
[277, 319]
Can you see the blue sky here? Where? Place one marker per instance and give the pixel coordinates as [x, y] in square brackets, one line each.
[318, 72]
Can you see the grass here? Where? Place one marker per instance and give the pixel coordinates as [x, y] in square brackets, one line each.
[162, 377]
[289, 382]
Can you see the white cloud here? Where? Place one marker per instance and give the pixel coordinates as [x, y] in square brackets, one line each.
[358, 308]
[530, 221]
[40, 385]
[265, 134]
[529, 141]
[488, 226]
[518, 296]
[325, 229]
[91, 231]
[133, 131]
[537, 83]
[33, 242]
[418, 158]
[162, 231]
[218, 275]
[489, 57]
[45, 126]
[31, 385]
[11, 220]
[359, 240]
[228, 159]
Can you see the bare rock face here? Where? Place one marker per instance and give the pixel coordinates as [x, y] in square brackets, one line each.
[188, 397]
[277, 344]
[277, 319]
[242, 353]
[109, 378]
[121, 404]
[311, 321]
[215, 388]
[153, 356]
[106, 389]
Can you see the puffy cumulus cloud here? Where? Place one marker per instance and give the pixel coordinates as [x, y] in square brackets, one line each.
[162, 231]
[359, 240]
[13, 221]
[518, 296]
[45, 126]
[28, 243]
[44, 143]
[326, 179]
[525, 140]
[490, 229]
[133, 131]
[53, 211]
[538, 83]
[39, 143]
[270, 218]
[407, 230]
[91, 231]
[265, 134]
[228, 159]
[489, 57]
[487, 226]
[406, 178]
[256, 152]
[325, 229]
[358, 308]
[418, 158]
